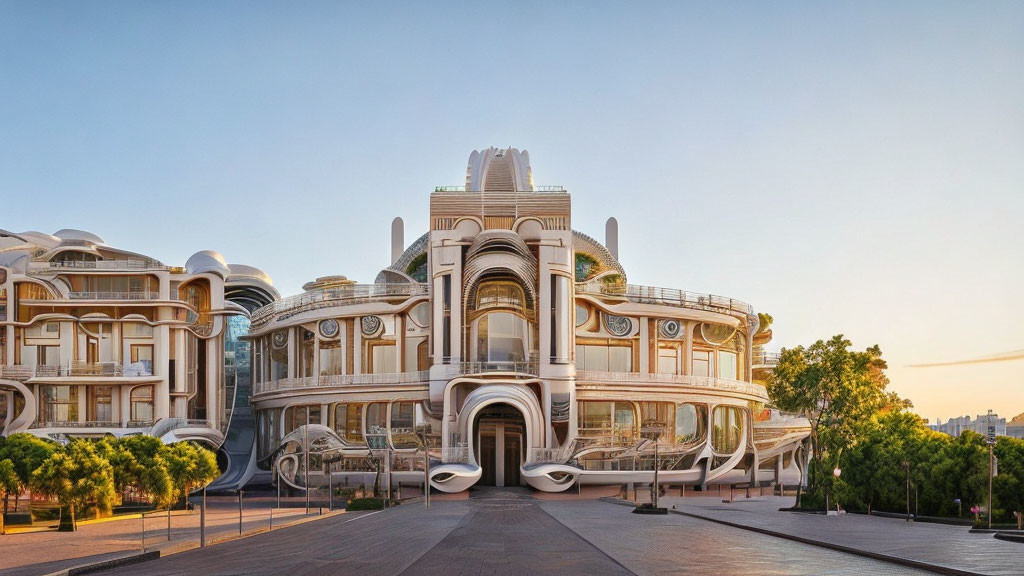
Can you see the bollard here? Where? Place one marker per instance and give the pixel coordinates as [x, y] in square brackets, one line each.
[143, 531]
[330, 487]
[240, 512]
[169, 522]
[202, 521]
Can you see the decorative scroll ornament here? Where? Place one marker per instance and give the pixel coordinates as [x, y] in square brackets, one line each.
[329, 328]
[669, 329]
[280, 339]
[371, 325]
[618, 325]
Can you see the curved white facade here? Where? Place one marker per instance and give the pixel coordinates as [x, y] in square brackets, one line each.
[513, 348]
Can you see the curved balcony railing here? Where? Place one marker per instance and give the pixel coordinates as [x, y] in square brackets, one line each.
[536, 189]
[340, 380]
[765, 358]
[125, 264]
[666, 297]
[351, 294]
[134, 295]
[530, 367]
[100, 369]
[705, 382]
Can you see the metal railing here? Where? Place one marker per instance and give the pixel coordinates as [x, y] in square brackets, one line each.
[540, 189]
[107, 369]
[125, 264]
[329, 381]
[353, 293]
[666, 296]
[86, 424]
[705, 382]
[531, 367]
[765, 358]
[132, 295]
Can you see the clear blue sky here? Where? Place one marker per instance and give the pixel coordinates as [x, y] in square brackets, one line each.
[848, 168]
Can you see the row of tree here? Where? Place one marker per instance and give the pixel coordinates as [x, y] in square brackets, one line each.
[886, 455]
[87, 475]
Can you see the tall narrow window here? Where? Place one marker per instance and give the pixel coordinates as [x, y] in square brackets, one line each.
[100, 405]
[702, 363]
[446, 321]
[330, 358]
[142, 404]
[560, 324]
[60, 404]
[727, 365]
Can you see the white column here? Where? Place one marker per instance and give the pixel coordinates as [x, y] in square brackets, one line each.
[357, 348]
[688, 348]
[645, 346]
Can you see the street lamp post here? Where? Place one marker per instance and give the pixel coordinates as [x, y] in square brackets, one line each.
[991, 456]
[837, 473]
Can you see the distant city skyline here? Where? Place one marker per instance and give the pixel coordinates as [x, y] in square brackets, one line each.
[875, 149]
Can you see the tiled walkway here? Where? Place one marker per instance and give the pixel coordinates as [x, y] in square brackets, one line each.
[937, 544]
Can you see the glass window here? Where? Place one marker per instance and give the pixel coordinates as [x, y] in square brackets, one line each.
[604, 358]
[668, 361]
[500, 295]
[702, 363]
[279, 355]
[610, 422]
[60, 404]
[142, 356]
[136, 330]
[100, 405]
[727, 365]
[403, 434]
[501, 337]
[142, 404]
[689, 423]
[376, 425]
[658, 421]
[48, 355]
[383, 359]
[306, 351]
[727, 429]
[330, 358]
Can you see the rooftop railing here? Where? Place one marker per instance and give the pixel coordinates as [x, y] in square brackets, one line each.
[352, 294]
[125, 264]
[666, 296]
[705, 382]
[531, 367]
[540, 189]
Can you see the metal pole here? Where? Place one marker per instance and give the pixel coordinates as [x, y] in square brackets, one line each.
[330, 488]
[143, 531]
[305, 455]
[426, 471]
[906, 465]
[168, 523]
[654, 496]
[202, 521]
[990, 458]
[278, 487]
[240, 492]
[271, 518]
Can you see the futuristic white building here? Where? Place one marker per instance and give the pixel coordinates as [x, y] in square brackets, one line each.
[514, 350]
[95, 340]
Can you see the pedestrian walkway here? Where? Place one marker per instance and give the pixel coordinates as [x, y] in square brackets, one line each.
[936, 544]
[38, 553]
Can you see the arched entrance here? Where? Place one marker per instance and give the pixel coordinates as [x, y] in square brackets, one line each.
[501, 445]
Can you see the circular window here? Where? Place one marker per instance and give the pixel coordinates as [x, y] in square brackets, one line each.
[280, 339]
[371, 325]
[669, 329]
[618, 325]
[582, 315]
[716, 334]
[329, 328]
[420, 315]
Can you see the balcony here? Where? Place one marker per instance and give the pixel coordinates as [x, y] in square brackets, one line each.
[536, 190]
[701, 382]
[136, 295]
[341, 380]
[125, 264]
[351, 294]
[85, 369]
[666, 297]
[86, 424]
[765, 359]
[527, 368]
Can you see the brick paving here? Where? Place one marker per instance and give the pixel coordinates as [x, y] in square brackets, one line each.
[937, 544]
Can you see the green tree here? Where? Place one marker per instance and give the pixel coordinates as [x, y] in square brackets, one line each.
[839, 390]
[9, 481]
[1008, 485]
[26, 452]
[188, 466]
[77, 477]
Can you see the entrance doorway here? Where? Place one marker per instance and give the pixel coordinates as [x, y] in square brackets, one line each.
[500, 444]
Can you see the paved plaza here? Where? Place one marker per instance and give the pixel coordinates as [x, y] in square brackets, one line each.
[512, 532]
